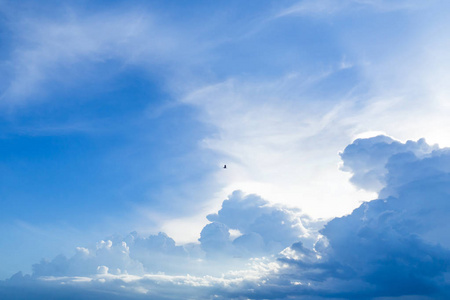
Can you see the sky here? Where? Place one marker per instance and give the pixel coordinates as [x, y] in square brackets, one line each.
[116, 118]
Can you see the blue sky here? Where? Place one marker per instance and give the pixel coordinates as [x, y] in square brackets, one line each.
[116, 118]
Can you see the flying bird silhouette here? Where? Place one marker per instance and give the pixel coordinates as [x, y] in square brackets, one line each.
[224, 166]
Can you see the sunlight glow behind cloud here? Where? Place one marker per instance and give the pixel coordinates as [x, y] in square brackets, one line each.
[389, 246]
[331, 116]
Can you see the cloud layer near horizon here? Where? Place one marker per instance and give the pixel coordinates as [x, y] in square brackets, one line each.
[394, 246]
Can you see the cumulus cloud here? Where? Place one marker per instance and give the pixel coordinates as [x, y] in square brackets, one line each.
[264, 228]
[103, 285]
[131, 254]
[394, 247]
[366, 159]
[219, 260]
[107, 256]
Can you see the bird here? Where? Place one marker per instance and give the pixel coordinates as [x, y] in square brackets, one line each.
[224, 166]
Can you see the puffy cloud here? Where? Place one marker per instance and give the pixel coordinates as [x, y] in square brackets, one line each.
[265, 229]
[131, 254]
[366, 159]
[215, 239]
[106, 257]
[105, 285]
[395, 247]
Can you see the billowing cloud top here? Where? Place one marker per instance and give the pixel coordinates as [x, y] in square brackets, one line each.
[394, 246]
[367, 159]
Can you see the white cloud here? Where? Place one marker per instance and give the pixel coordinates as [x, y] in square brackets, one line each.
[158, 286]
[279, 144]
[329, 7]
[279, 140]
[71, 50]
[393, 246]
[264, 229]
[366, 159]
[396, 246]
[275, 228]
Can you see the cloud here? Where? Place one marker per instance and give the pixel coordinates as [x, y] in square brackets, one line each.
[261, 230]
[329, 7]
[395, 246]
[366, 159]
[274, 141]
[61, 278]
[264, 229]
[80, 48]
[107, 256]
[124, 286]
[133, 266]
[274, 133]
[215, 239]
[131, 254]
[291, 161]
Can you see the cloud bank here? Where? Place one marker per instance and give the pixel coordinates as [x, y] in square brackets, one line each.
[393, 247]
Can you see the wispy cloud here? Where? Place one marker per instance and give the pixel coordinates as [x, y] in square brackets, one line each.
[265, 128]
[70, 50]
[280, 139]
[329, 7]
